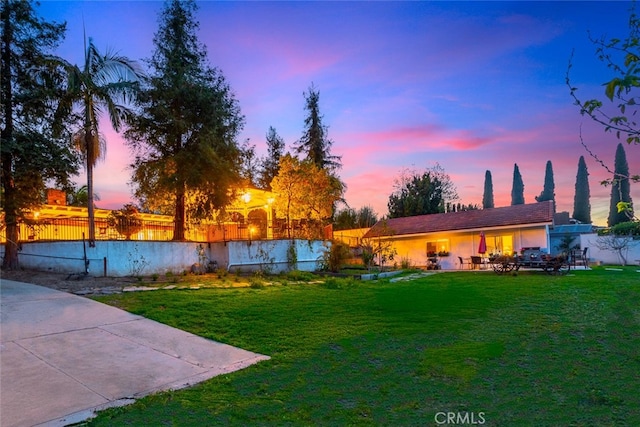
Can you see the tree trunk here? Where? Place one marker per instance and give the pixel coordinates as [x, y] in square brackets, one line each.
[179, 220]
[10, 261]
[90, 207]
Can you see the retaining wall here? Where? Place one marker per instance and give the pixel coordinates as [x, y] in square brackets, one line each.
[132, 258]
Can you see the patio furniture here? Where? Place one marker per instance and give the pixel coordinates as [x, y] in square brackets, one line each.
[579, 257]
[476, 262]
[464, 262]
[433, 263]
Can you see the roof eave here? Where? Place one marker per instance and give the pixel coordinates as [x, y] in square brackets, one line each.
[464, 230]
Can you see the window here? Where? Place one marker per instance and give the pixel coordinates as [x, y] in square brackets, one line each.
[438, 247]
[500, 244]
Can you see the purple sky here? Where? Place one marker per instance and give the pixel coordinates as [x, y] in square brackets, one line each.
[473, 86]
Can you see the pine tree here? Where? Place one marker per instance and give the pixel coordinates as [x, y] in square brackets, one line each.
[366, 217]
[186, 129]
[581, 205]
[249, 164]
[548, 191]
[271, 163]
[517, 189]
[620, 190]
[345, 219]
[314, 142]
[487, 198]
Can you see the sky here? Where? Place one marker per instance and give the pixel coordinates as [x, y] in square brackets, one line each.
[471, 86]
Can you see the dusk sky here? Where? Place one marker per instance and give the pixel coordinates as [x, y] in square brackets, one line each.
[473, 86]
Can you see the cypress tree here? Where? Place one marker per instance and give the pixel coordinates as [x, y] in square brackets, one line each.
[487, 198]
[620, 190]
[581, 205]
[548, 191]
[517, 189]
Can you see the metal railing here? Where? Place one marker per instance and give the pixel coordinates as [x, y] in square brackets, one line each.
[60, 229]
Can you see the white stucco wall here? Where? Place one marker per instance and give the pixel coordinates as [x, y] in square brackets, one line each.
[126, 258]
[272, 255]
[122, 258]
[632, 254]
[463, 244]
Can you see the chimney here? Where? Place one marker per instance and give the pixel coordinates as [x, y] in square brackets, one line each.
[56, 197]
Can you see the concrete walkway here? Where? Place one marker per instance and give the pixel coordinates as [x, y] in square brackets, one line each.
[62, 357]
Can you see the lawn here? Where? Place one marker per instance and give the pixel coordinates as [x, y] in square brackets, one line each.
[521, 350]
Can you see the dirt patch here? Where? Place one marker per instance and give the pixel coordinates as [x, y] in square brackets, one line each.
[69, 283]
[97, 285]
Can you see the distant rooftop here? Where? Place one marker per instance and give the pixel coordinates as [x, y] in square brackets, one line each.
[572, 229]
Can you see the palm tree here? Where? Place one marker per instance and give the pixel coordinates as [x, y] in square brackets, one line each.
[106, 83]
[80, 196]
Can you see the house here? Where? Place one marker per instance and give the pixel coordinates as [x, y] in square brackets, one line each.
[250, 217]
[447, 236]
[247, 238]
[568, 234]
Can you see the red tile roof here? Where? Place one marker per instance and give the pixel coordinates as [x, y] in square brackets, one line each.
[533, 213]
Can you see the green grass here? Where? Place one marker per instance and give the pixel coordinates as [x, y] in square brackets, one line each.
[525, 350]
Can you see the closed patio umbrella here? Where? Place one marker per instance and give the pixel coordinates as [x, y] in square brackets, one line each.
[482, 248]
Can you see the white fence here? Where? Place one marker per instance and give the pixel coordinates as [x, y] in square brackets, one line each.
[133, 258]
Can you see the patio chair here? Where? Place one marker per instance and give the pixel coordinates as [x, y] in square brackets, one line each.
[433, 263]
[580, 257]
[476, 262]
[463, 263]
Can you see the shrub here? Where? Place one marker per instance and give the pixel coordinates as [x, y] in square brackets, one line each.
[292, 256]
[627, 228]
[297, 275]
[332, 283]
[367, 256]
[405, 263]
[256, 283]
[126, 221]
[335, 257]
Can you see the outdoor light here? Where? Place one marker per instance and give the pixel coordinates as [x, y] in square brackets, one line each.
[252, 230]
[246, 197]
